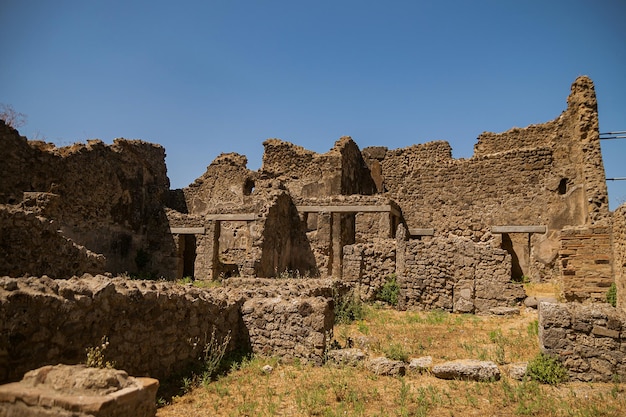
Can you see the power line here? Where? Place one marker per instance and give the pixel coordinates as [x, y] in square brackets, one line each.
[613, 135]
[616, 179]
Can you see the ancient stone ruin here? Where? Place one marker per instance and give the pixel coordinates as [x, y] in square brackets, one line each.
[457, 234]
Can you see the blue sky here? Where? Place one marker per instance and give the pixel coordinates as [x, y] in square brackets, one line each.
[206, 77]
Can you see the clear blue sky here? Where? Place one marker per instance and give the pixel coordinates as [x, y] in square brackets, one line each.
[206, 77]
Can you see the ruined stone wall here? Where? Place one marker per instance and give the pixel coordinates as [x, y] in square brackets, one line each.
[306, 174]
[586, 258]
[366, 266]
[31, 244]
[108, 199]
[619, 254]
[587, 338]
[225, 184]
[549, 174]
[455, 274]
[156, 328]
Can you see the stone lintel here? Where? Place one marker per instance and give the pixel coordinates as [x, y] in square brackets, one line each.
[187, 230]
[355, 208]
[232, 217]
[519, 229]
[421, 232]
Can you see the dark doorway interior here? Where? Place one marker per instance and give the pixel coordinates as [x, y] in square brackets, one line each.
[516, 270]
[189, 255]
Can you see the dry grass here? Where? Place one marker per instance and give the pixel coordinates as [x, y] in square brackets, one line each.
[303, 390]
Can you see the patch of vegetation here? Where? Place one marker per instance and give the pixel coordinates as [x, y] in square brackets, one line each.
[96, 357]
[546, 369]
[389, 291]
[348, 307]
[396, 352]
[611, 295]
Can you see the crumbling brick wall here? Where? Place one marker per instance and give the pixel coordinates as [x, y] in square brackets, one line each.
[156, 328]
[585, 258]
[587, 338]
[454, 274]
[619, 254]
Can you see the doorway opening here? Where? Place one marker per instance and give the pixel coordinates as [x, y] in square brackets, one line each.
[516, 269]
[188, 242]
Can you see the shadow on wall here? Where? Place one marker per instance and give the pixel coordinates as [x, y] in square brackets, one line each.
[286, 248]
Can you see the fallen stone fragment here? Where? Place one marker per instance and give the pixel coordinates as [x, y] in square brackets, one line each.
[346, 356]
[504, 311]
[75, 390]
[267, 369]
[422, 364]
[467, 369]
[385, 366]
[516, 370]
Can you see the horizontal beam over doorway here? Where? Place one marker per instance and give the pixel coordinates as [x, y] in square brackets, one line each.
[519, 229]
[355, 208]
[187, 230]
[421, 232]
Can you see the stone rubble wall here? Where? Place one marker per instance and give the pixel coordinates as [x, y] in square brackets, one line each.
[107, 198]
[549, 174]
[585, 259]
[454, 274]
[154, 328]
[367, 266]
[31, 244]
[587, 338]
[619, 254]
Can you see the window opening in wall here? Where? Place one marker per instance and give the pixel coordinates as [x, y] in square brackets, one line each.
[516, 269]
[562, 186]
[248, 187]
[189, 255]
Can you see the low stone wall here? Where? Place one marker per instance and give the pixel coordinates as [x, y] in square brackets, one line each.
[588, 339]
[289, 329]
[453, 273]
[154, 328]
[367, 265]
[585, 260]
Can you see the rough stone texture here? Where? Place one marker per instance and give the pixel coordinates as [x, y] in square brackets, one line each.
[549, 174]
[64, 390]
[386, 367]
[619, 254]
[350, 356]
[585, 260]
[367, 266]
[423, 364]
[66, 186]
[155, 328]
[467, 369]
[588, 339]
[516, 371]
[31, 244]
[289, 329]
[454, 274]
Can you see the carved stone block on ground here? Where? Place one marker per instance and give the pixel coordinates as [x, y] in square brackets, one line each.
[467, 369]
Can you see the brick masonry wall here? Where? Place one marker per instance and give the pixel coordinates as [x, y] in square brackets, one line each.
[588, 339]
[585, 259]
[155, 328]
[619, 254]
